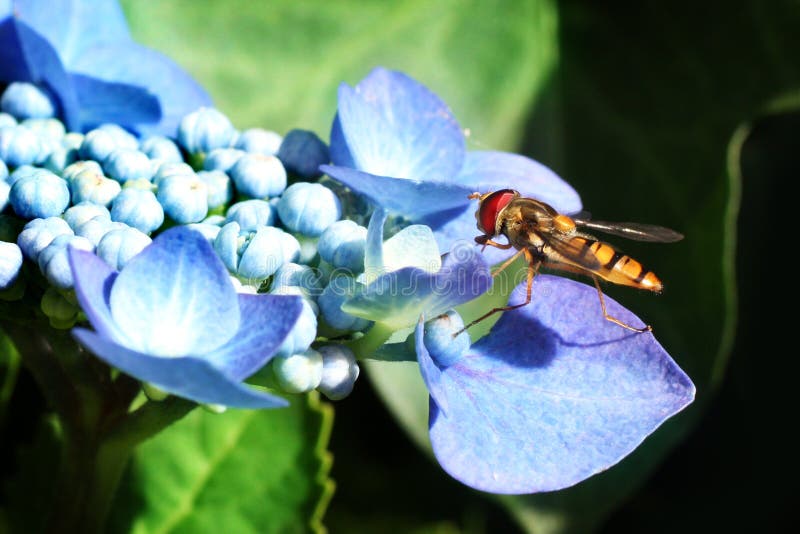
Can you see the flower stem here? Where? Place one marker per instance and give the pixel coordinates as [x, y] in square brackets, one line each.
[367, 344]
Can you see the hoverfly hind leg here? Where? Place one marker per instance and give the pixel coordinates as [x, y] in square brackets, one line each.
[647, 328]
[533, 268]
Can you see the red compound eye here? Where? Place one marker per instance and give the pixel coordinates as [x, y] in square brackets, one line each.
[491, 206]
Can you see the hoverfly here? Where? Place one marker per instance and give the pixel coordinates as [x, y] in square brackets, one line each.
[555, 241]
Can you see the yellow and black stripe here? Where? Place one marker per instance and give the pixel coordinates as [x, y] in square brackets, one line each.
[616, 267]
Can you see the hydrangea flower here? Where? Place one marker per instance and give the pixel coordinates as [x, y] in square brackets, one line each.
[82, 54]
[172, 318]
[552, 395]
[397, 144]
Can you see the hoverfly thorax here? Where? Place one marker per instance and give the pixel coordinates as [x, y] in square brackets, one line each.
[491, 205]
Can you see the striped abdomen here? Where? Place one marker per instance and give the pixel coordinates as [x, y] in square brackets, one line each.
[617, 267]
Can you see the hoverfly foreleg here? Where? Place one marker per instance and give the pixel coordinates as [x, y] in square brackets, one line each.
[533, 268]
[614, 320]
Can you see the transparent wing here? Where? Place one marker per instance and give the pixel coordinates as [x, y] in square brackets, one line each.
[575, 251]
[635, 231]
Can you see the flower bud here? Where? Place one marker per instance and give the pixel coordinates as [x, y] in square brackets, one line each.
[10, 264]
[204, 130]
[39, 195]
[39, 233]
[302, 152]
[123, 164]
[222, 159]
[161, 148]
[309, 209]
[118, 247]
[259, 141]
[184, 198]
[61, 312]
[19, 146]
[439, 340]
[339, 371]
[54, 263]
[298, 373]
[330, 302]
[250, 214]
[343, 244]
[139, 209]
[258, 176]
[25, 100]
[218, 186]
[80, 213]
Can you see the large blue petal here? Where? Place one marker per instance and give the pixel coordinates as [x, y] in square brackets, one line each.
[398, 299]
[186, 377]
[413, 199]
[28, 57]
[394, 126]
[175, 297]
[266, 320]
[93, 282]
[490, 171]
[130, 63]
[554, 394]
[118, 103]
[72, 26]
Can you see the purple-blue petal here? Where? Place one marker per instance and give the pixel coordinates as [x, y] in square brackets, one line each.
[489, 171]
[93, 282]
[72, 26]
[266, 321]
[175, 297]
[27, 56]
[554, 394]
[119, 103]
[188, 377]
[130, 63]
[395, 126]
[413, 199]
[400, 297]
[431, 373]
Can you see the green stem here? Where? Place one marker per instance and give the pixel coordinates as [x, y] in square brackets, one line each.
[367, 344]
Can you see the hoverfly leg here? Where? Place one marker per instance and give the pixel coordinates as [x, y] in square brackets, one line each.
[614, 320]
[508, 262]
[533, 268]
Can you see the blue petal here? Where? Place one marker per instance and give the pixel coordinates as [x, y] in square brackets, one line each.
[266, 321]
[26, 56]
[186, 377]
[413, 199]
[72, 26]
[394, 126]
[118, 103]
[554, 394]
[490, 171]
[175, 297]
[93, 282]
[130, 63]
[397, 299]
[340, 154]
[373, 250]
[431, 374]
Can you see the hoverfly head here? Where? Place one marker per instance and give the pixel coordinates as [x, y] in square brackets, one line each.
[491, 204]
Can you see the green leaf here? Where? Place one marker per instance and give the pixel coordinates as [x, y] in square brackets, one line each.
[278, 65]
[241, 471]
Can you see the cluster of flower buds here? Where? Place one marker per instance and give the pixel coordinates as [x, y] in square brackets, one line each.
[254, 195]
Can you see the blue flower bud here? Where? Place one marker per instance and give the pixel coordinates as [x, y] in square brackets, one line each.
[139, 209]
[250, 214]
[259, 141]
[90, 185]
[97, 145]
[3, 170]
[298, 373]
[339, 289]
[227, 245]
[343, 244]
[25, 100]
[296, 275]
[219, 187]
[19, 146]
[10, 264]
[161, 148]
[265, 251]
[72, 140]
[123, 164]
[5, 190]
[184, 198]
[216, 219]
[222, 159]
[122, 137]
[209, 231]
[80, 213]
[304, 331]
[309, 209]
[7, 120]
[74, 169]
[54, 263]
[118, 247]
[204, 130]
[60, 158]
[21, 172]
[39, 233]
[62, 313]
[172, 169]
[339, 371]
[258, 176]
[41, 194]
[50, 133]
[302, 152]
[438, 337]
[94, 229]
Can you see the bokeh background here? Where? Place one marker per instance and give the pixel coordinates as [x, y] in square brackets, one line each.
[676, 113]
